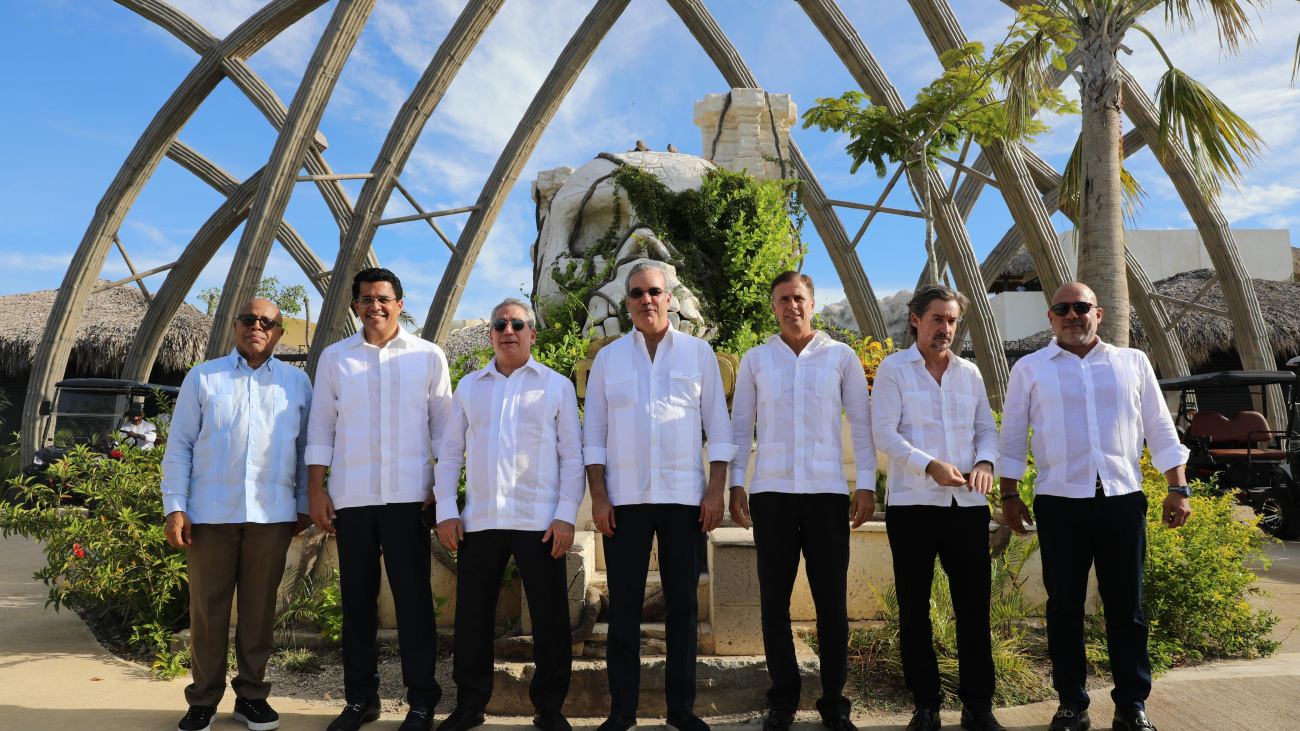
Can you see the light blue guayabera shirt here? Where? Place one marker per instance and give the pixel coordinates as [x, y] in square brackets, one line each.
[236, 444]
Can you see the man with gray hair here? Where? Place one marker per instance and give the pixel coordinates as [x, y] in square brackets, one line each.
[514, 427]
[930, 416]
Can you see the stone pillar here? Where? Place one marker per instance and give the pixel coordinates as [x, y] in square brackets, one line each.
[755, 132]
[733, 593]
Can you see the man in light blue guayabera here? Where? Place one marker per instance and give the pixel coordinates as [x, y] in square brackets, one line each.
[235, 493]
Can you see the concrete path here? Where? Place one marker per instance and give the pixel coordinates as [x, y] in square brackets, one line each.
[54, 675]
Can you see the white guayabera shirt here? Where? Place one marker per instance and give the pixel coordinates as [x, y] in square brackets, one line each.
[643, 419]
[377, 418]
[797, 402]
[521, 445]
[916, 420]
[1090, 416]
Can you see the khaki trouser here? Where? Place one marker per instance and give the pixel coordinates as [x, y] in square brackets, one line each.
[221, 557]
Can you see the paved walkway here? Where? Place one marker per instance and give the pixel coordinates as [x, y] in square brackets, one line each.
[54, 675]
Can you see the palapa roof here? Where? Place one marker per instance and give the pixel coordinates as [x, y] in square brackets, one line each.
[1203, 334]
[1020, 265]
[104, 336]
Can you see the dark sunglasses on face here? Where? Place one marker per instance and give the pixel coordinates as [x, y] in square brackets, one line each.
[250, 320]
[515, 324]
[367, 300]
[1061, 309]
[638, 293]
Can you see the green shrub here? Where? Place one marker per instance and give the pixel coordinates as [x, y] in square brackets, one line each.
[297, 660]
[329, 617]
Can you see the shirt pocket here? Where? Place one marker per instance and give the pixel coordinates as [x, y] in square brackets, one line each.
[917, 408]
[621, 389]
[770, 386]
[772, 460]
[828, 462]
[684, 389]
[219, 410]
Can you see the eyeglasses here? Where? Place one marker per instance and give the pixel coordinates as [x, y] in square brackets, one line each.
[366, 300]
[638, 293]
[250, 320]
[1061, 309]
[516, 324]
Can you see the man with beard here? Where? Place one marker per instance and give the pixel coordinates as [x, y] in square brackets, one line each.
[795, 386]
[1090, 406]
[931, 417]
[650, 396]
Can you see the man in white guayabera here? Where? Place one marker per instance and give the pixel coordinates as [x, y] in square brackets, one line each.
[235, 493]
[514, 428]
[1090, 406]
[794, 387]
[931, 418]
[650, 394]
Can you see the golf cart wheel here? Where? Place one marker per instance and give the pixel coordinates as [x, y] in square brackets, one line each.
[1279, 514]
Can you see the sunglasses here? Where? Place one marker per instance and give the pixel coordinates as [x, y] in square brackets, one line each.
[638, 293]
[516, 324]
[250, 320]
[1061, 309]
[366, 300]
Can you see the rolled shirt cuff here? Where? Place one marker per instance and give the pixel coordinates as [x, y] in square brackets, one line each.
[447, 510]
[990, 457]
[1169, 458]
[174, 504]
[567, 511]
[867, 479]
[917, 461]
[318, 454]
[721, 452]
[593, 455]
[738, 476]
[1012, 469]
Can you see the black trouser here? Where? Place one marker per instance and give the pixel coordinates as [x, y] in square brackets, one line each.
[480, 566]
[395, 532]
[786, 524]
[959, 537]
[627, 559]
[1112, 532]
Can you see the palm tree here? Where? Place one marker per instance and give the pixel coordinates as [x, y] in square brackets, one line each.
[1190, 114]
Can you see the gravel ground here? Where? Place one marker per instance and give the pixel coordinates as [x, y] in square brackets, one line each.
[325, 688]
[466, 341]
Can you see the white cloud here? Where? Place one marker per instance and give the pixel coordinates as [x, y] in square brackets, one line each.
[1255, 200]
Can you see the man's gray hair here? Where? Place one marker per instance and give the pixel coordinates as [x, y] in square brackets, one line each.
[639, 267]
[508, 301]
[921, 300]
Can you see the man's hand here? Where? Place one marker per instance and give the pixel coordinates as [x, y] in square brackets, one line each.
[944, 474]
[1016, 513]
[602, 514]
[1177, 510]
[711, 509]
[981, 479]
[322, 510]
[178, 529]
[304, 522]
[862, 507]
[738, 506]
[451, 532]
[561, 535]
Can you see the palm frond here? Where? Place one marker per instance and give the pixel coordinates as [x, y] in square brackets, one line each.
[1072, 185]
[1231, 18]
[1218, 140]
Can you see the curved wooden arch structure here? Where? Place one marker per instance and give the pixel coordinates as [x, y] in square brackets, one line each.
[1026, 182]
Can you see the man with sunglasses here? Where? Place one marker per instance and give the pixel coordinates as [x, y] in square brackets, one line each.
[514, 428]
[381, 402]
[931, 417]
[794, 387]
[650, 394]
[235, 493]
[1090, 406]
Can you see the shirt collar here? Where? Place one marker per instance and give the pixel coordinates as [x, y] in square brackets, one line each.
[912, 353]
[491, 367]
[638, 337]
[237, 360]
[402, 339]
[820, 338]
[1053, 349]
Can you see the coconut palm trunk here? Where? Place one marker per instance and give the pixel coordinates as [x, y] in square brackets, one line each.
[1101, 262]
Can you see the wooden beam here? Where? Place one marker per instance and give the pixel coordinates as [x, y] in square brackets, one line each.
[427, 216]
[898, 173]
[961, 160]
[876, 208]
[1186, 306]
[418, 209]
[130, 265]
[963, 168]
[132, 278]
[334, 176]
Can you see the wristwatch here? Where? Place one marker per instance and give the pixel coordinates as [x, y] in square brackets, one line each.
[1010, 495]
[1184, 490]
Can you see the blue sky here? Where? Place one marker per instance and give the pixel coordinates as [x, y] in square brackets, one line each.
[86, 77]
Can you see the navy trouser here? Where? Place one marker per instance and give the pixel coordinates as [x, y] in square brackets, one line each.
[395, 532]
[627, 558]
[816, 525]
[1075, 533]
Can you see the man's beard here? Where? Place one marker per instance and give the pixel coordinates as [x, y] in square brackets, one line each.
[939, 344]
[1081, 336]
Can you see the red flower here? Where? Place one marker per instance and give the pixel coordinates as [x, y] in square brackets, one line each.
[116, 454]
[76, 546]
[80, 553]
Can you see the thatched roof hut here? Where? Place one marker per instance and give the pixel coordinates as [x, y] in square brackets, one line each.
[1205, 336]
[105, 335]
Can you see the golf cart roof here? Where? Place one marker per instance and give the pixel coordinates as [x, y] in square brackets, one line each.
[1226, 378]
[114, 384]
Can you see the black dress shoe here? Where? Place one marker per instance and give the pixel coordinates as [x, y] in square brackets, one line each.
[256, 713]
[1131, 721]
[355, 714]
[838, 723]
[1068, 719]
[461, 719]
[778, 720]
[925, 720]
[417, 719]
[686, 722]
[616, 723]
[980, 721]
[552, 721]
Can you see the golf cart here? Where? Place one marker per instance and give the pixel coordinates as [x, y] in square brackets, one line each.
[1233, 445]
[90, 411]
